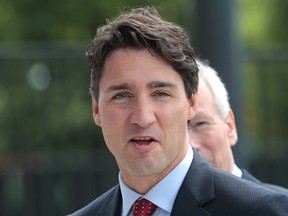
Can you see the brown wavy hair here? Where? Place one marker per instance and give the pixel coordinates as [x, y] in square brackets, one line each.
[142, 28]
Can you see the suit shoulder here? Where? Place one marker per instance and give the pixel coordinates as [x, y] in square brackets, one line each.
[277, 188]
[221, 193]
[227, 183]
[100, 204]
[243, 191]
[245, 197]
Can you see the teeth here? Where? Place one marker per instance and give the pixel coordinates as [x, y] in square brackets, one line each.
[142, 138]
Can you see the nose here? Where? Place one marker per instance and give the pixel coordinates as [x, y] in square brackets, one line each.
[143, 113]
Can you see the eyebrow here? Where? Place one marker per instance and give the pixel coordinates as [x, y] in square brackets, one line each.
[122, 86]
[152, 85]
[159, 84]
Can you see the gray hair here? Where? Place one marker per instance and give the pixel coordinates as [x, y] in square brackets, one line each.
[217, 87]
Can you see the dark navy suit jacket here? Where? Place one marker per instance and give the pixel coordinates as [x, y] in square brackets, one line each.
[250, 177]
[205, 191]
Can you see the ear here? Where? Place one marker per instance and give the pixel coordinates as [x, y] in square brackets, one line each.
[192, 105]
[232, 130]
[96, 113]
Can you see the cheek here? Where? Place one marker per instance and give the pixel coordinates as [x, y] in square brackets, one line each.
[208, 141]
[111, 116]
[182, 110]
[209, 146]
[112, 124]
[207, 154]
[175, 120]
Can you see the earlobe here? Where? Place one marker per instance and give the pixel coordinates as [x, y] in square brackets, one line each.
[96, 113]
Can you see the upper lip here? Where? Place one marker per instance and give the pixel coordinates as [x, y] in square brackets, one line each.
[143, 138]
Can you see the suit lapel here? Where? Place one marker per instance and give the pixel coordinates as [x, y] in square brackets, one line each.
[115, 206]
[196, 189]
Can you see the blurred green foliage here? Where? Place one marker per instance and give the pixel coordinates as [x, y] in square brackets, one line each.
[264, 22]
[264, 32]
[50, 20]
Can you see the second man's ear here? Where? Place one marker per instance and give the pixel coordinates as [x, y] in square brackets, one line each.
[232, 129]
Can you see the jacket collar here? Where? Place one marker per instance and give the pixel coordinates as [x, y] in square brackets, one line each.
[114, 206]
[196, 190]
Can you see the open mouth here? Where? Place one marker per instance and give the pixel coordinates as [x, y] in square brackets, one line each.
[142, 140]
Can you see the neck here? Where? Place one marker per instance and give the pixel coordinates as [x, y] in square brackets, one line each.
[230, 165]
[142, 184]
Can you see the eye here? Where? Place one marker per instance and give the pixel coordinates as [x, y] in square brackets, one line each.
[199, 124]
[120, 96]
[161, 94]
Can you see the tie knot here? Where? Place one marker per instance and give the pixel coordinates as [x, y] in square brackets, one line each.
[143, 207]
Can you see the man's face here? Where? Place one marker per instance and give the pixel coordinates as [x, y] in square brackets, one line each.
[210, 134]
[143, 111]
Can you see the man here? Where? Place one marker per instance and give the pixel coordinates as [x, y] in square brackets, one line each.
[213, 129]
[143, 86]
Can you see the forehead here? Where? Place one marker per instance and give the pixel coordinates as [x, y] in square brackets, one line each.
[128, 57]
[129, 66]
[205, 95]
[206, 104]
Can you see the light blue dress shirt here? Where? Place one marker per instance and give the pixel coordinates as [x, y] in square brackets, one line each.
[236, 171]
[163, 194]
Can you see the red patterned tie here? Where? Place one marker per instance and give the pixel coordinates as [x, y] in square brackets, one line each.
[143, 207]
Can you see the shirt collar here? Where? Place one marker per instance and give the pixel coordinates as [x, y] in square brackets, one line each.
[159, 194]
[236, 171]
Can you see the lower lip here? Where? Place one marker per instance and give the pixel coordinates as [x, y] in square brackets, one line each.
[142, 146]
